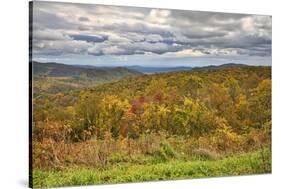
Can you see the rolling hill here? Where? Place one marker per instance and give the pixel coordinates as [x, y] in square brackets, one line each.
[152, 70]
[215, 67]
[54, 77]
[63, 70]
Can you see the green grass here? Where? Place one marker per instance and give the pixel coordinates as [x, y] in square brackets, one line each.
[252, 163]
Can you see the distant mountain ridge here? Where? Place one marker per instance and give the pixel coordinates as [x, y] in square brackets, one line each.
[61, 70]
[57, 69]
[151, 70]
[214, 67]
[143, 69]
[54, 77]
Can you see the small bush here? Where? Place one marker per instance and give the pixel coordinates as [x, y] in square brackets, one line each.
[164, 152]
[168, 150]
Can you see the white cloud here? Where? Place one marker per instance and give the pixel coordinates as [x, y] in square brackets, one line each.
[48, 34]
[158, 16]
[131, 30]
[189, 53]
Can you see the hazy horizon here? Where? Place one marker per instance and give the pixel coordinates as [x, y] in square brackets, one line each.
[148, 66]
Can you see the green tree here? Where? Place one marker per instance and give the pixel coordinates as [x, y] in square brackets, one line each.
[193, 86]
[260, 104]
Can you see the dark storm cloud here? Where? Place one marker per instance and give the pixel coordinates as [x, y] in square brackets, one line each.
[89, 38]
[61, 28]
[84, 19]
[197, 33]
[140, 28]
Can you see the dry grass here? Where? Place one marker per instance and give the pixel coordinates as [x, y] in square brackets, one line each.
[50, 154]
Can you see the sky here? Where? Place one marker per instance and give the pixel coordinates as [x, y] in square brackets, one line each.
[100, 35]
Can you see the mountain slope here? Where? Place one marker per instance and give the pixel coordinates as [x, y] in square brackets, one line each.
[214, 67]
[62, 70]
[151, 70]
[54, 77]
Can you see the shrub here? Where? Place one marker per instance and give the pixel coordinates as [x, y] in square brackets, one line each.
[164, 152]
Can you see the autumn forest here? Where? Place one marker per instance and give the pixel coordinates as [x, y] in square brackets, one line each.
[139, 127]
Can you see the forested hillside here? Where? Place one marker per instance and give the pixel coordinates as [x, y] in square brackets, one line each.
[54, 77]
[206, 114]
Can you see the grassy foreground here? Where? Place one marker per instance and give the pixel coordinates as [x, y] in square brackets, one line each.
[252, 163]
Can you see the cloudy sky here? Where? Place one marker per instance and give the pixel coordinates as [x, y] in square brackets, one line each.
[115, 36]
